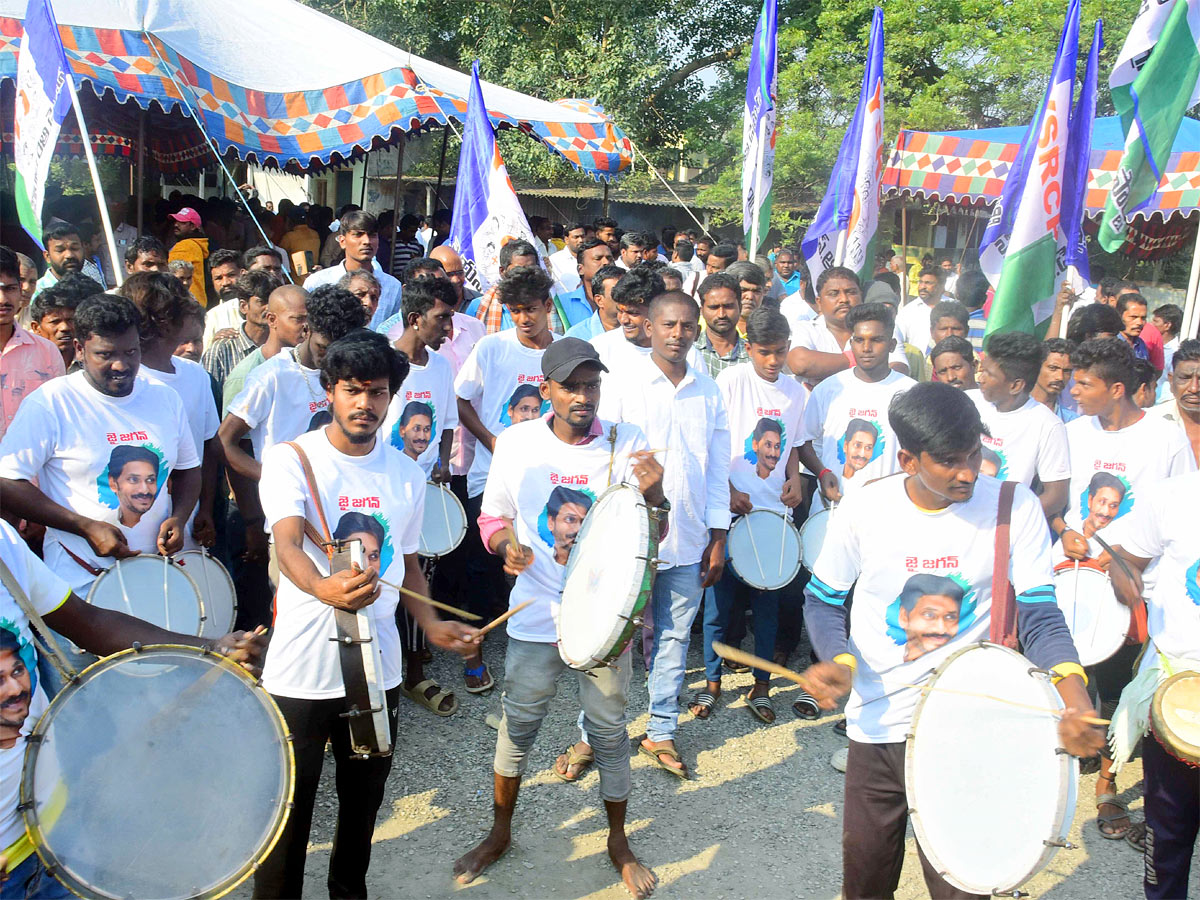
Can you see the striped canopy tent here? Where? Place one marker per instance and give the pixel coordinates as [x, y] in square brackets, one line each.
[969, 167]
[278, 84]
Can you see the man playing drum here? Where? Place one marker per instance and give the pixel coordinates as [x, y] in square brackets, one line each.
[938, 519]
[1163, 528]
[765, 410]
[23, 695]
[367, 489]
[532, 461]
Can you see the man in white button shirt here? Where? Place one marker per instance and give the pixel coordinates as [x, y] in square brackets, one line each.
[682, 412]
[912, 322]
[358, 235]
[564, 264]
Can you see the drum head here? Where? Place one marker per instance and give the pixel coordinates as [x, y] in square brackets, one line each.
[1097, 620]
[216, 591]
[607, 578]
[151, 588]
[163, 772]
[985, 833]
[812, 536]
[1175, 715]
[445, 522]
[764, 549]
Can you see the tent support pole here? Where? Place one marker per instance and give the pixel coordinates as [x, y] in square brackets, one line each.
[141, 168]
[904, 249]
[362, 194]
[604, 202]
[437, 194]
[397, 202]
[1191, 315]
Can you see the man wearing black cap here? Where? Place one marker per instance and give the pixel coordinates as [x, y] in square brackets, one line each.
[531, 462]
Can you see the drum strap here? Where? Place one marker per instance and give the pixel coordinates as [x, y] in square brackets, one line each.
[1004, 603]
[41, 631]
[87, 566]
[349, 641]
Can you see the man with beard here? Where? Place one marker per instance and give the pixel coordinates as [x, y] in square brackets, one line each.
[221, 320]
[1183, 406]
[600, 289]
[720, 345]
[1131, 307]
[191, 245]
[63, 254]
[355, 469]
[358, 236]
[1053, 377]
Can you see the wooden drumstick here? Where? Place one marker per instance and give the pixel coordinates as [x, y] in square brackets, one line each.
[444, 606]
[733, 654]
[500, 620]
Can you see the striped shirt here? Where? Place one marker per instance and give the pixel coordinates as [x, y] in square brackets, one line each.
[221, 358]
[976, 326]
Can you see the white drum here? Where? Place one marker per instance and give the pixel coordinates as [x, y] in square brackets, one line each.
[445, 523]
[609, 576]
[987, 834]
[153, 588]
[161, 772]
[1098, 621]
[216, 591]
[764, 549]
[812, 535]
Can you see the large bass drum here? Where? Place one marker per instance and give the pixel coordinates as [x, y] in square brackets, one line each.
[162, 772]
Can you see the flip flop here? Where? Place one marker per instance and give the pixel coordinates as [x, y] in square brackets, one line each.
[479, 672]
[806, 707]
[759, 706]
[1101, 819]
[1136, 836]
[706, 702]
[574, 759]
[654, 755]
[417, 695]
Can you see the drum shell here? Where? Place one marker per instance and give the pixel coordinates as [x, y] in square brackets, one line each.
[1114, 619]
[812, 536]
[176, 572]
[790, 534]
[210, 628]
[435, 496]
[1174, 743]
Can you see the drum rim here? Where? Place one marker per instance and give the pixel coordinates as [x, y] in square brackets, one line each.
[1113, 646]
[1158, 724]
[619, 634]
[171, 561]
[203, 551]
[799, 549]
[462, 532]
[823, 512]
[1067, 793]
[33, 743]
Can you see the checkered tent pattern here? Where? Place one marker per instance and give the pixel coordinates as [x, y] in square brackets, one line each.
[298, 128]
[945, 167]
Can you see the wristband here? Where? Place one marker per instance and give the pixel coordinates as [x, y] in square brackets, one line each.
[847, 659]
[821, 474]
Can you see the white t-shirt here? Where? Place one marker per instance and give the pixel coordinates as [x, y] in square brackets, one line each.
[1109, 469]
[877, 541]
[533, 473]
[1163, 527]
[66, 434]
[1028, 441]
[279, 400]
[764, 425]
[813, 334]
[429, 391]
[46, 592]
[501, 380]
[796, 310]
[380, 498]
[843, 402]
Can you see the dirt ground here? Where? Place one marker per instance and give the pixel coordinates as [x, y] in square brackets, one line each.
[760, 819]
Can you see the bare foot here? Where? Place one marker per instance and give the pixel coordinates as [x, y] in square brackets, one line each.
[471, 865]
[638, 879]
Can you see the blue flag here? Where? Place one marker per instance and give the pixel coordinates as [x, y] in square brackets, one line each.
[42, 100]
[1078, 160]
[486, 213]
[758, 129]
[843, 231]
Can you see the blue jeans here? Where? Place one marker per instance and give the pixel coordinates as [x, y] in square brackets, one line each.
[764, 605]
[31, 881]
[676, 600]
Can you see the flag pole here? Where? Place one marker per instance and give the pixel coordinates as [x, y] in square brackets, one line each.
[758, 161]
[117, 262]
[1191, 314]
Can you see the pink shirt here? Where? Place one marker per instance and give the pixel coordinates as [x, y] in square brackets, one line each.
[26, 363]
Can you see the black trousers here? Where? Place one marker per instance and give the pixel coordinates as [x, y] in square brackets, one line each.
[873, 824]
[1108, 678]
[250, 581]
[1172, 821]
[449, 581]
[360, 786]
[486, 588]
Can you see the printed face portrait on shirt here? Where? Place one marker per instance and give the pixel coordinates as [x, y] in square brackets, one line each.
[1192, 582]
[993, 463]
[369, 530]
[415, 428]
[930, 612]
[565, 511]
[18, 678]
[1106, 495]
[767, 444]
[133, 479]
[524, 404]
[859, 445]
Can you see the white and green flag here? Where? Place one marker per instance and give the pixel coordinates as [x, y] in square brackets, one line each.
[1155, 81]
[1023, 249]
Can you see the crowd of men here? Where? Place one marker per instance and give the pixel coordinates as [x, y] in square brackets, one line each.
[239, 354]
